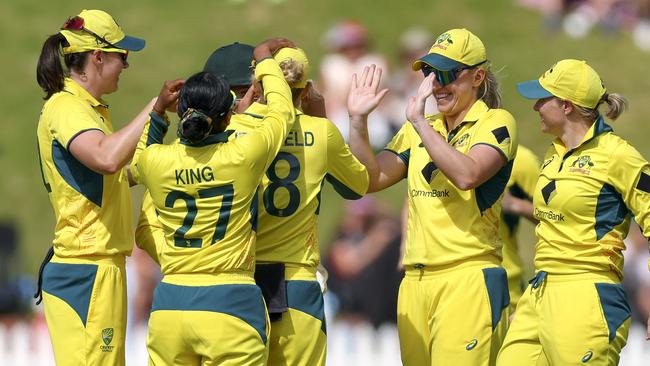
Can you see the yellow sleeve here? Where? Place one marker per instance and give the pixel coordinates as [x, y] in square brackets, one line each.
[149, 234]
[76, 118]
[263, 143]
[154, 132]
[346, 174]
[500, 132]
[629, 173]
[525, 171]
[400, 145]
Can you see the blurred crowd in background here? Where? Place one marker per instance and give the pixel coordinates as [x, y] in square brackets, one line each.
[579, 17]
[363, 257]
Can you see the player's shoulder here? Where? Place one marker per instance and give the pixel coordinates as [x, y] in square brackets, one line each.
[499, 116]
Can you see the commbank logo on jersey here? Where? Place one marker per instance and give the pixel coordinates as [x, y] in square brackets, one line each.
[582, 165]
[548, 192]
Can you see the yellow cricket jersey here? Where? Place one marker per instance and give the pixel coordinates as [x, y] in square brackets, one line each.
[92, 211]
[584, 200]
[447, 225]
[525, 171]
[289, 196]
[205, 194]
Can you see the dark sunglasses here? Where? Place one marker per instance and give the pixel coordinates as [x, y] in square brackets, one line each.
[446, 77]
[77, 23]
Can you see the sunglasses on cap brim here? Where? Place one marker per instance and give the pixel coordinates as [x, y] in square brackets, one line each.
[77, 23]
[446, 77]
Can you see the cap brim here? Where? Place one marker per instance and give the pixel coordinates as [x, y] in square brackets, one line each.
[532, 90]
[131, 43]
[437, 62]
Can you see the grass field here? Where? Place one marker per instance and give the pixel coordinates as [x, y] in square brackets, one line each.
[180, 37]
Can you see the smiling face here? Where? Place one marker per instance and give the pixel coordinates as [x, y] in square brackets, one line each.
[552, 113]
[112, 64]
[457, 98]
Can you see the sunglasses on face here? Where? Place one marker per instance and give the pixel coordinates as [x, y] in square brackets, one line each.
[77, 23]
[446, 77]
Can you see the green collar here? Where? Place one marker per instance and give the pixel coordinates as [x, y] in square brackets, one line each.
[598, 128]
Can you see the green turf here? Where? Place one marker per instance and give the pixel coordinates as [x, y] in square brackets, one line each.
[180, 35]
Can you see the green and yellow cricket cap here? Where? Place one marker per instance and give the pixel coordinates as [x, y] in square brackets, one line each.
[453, 49]
[96, 29]
[298, 56]
[571, 80]
[232, 62]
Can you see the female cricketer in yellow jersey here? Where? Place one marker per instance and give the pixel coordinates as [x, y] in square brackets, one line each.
[592, 182]
[82, 161]
[287, 250]
[452, 305]
[208, 310]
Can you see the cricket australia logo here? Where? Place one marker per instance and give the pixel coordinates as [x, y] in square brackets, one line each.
[443, 41]
[445, 37]
[107, 337]
[582, 165]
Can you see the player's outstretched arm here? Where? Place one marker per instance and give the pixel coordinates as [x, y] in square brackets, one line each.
[386, 169]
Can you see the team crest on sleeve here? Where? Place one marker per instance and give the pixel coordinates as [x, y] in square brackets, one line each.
[582, 165]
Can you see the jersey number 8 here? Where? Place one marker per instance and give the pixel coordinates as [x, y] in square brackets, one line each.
[286, 183]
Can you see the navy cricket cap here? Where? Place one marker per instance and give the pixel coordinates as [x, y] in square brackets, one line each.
[233, 62]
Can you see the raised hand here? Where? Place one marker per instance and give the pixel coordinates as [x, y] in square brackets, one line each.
[415, 108]
[251, 95]
[168, 96]
[364, 94]
[268, 47]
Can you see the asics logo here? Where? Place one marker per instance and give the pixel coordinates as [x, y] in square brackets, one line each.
[471, 345]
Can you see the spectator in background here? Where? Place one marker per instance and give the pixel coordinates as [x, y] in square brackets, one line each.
[413, 44]
[349, 46]
[15, 289]
[636, 281]
[577, 17]
[362, 263]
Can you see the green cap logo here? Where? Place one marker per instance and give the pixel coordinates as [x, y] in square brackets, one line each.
[107, 335]
[444, 37]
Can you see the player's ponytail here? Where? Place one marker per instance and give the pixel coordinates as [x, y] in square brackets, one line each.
[49, 71]
[616, 102]
[203, 103]
[294, 73]
[617, 105]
